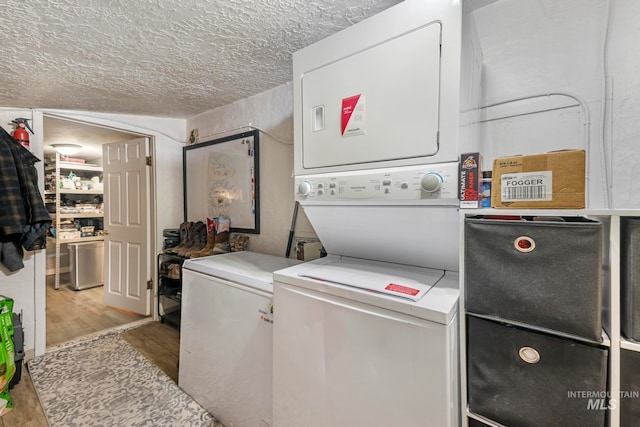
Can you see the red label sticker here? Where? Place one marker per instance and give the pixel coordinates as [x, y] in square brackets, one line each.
[402, 289]
[348, 107]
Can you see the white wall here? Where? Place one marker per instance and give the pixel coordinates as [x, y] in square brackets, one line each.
[624, 71]
[27, 285]
[273, 112]
[543, 81]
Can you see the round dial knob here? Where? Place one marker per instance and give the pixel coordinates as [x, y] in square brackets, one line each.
[431, 182]
[304, 188]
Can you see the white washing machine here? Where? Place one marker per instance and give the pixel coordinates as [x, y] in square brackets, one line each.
[364, 343]
[226, 335]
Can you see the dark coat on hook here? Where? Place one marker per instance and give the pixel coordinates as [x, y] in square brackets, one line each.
[24, 219]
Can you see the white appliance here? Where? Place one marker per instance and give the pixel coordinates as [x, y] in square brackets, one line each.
[367, 336]
[348, 352]
[376, 124]
[226, 335]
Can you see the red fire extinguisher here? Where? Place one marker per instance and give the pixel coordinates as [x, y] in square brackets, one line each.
[20, 133]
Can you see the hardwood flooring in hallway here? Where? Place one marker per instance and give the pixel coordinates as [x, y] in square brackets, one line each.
[71, 314]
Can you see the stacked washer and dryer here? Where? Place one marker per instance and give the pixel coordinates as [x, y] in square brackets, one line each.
[367, 336]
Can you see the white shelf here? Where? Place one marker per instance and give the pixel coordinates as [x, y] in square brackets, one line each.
[82, 239]
[75, 166]
[83, 170]
[81, 215]
[89, 192]
[629, 345]
[482, 419]
[541, 212]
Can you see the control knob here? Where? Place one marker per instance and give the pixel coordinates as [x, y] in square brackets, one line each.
[431, 182]
[304, 188]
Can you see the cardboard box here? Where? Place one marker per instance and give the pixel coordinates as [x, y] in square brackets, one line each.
[551, 180]
[470, 180]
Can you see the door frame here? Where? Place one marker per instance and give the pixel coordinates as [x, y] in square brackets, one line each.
[40, 300]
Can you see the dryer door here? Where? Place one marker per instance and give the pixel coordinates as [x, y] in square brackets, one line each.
[377, 104]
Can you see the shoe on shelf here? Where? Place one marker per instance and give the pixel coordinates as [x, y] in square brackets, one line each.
[185, 229]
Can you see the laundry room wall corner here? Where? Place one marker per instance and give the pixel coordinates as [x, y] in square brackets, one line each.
[272, 113]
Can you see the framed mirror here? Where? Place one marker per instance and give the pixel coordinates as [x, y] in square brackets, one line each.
[221, 178]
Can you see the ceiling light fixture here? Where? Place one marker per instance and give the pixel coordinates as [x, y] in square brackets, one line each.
[66, 149]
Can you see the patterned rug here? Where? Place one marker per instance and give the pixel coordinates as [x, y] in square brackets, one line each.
[104, 381]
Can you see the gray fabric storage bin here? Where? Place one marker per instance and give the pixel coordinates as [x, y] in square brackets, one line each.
[505, 388]
[630, 278]
[629, 402]
[555, 284]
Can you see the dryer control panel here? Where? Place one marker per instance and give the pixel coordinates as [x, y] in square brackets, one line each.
[424, 182]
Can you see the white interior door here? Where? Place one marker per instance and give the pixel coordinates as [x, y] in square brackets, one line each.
[126, 218]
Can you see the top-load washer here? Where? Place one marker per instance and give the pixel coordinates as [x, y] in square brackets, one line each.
[364, 343]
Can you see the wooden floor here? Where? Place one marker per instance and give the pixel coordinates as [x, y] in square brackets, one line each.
[68, 320]
[72, 314]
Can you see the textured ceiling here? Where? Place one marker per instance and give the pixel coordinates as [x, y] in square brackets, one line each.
[168, 58]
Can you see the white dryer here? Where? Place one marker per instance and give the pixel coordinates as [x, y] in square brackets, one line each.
[364, 343]
[226, 335]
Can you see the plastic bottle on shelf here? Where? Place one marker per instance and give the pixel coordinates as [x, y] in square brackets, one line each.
[485, 190]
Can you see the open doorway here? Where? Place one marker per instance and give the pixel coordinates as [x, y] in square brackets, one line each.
[75, 252]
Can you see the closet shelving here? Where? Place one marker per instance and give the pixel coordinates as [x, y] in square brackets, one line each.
[62, 169]
[613, 339]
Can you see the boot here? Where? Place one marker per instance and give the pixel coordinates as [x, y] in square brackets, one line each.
[200, 243]
[191, 238]
[222, 244]
[212, 239]
[208, 248]
[190, 241]
[185, 228]
[174, 272]
[198, 239]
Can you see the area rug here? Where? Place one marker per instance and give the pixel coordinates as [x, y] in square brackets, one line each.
[104, 381]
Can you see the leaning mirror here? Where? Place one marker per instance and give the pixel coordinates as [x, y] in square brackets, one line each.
[221, 178]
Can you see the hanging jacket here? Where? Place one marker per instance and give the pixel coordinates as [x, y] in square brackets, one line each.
[24, 219]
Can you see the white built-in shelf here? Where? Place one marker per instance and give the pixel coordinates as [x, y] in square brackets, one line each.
[68, 191]
[82, 215]
[629, 345]
[482, 419]
[82, 239]
[74, 166]
[86, 172]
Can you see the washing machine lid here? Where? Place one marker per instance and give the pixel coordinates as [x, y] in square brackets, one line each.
[410, 285]
[245, 268]
[422, 292]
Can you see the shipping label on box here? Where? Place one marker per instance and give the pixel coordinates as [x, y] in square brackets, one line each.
[549, 180]
[470, 180]
[531, 186]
